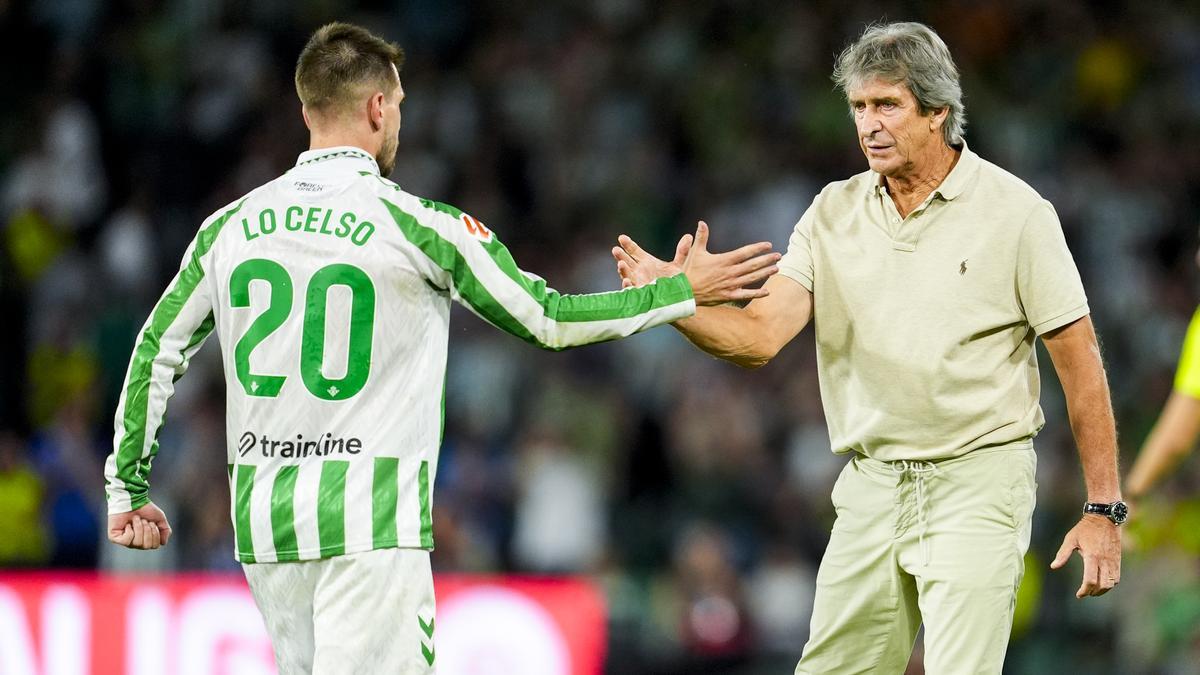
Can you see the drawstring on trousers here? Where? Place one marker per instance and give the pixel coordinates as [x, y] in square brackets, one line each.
[918, 471]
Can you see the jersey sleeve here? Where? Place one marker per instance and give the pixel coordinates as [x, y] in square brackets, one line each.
[1048, 284]
[1187, 376]
[177, 327]
[459, 253]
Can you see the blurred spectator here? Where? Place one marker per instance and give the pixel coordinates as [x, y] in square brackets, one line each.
[715, 626]
[559, 518]
[23, 541]
[68, 454]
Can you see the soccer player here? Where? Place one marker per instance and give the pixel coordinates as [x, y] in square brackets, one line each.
[330, 289]
[929, 278]
[1174, 434]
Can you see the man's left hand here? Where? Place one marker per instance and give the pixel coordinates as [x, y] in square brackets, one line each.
[1098, 541]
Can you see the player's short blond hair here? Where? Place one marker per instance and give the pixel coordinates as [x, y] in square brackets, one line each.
[342, 63]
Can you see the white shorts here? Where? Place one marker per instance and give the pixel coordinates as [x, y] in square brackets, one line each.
[368, 612]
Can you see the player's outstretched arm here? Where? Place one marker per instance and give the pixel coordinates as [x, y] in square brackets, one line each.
[458, 253]
[749, 336]
[143, 528]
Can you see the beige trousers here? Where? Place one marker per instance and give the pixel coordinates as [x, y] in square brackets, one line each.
[362, 613]
[941, 543]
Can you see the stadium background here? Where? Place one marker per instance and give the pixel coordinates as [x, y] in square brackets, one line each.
[695, 495]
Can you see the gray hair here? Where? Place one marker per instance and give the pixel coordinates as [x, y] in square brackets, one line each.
[913, 55]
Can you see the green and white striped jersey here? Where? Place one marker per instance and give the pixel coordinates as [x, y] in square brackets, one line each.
[330, 291]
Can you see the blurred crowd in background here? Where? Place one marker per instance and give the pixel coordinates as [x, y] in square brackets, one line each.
[697, 494]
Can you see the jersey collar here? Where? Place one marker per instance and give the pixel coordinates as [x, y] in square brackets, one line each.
[338, 157]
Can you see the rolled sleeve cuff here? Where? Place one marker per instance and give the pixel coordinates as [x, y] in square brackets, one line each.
[1062, 319]
[798, 276]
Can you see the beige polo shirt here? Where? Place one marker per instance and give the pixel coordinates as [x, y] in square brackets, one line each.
[925, 325]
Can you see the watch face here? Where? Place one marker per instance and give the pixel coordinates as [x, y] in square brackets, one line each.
[1120, 512]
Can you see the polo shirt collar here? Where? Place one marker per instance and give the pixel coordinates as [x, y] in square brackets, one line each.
[341, 157]
[954, 184]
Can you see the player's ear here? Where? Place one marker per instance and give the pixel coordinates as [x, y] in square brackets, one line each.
[375, 110]
[304, 114]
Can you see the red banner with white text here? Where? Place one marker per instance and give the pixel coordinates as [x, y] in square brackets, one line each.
[87, 624]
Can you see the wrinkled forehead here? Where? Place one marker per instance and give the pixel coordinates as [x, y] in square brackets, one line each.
[875, 88]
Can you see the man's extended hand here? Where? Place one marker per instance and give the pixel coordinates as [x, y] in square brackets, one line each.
[145, 528]
[1098, 541]
[715, 277]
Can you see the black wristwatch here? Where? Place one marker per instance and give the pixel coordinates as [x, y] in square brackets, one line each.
[1118, 512]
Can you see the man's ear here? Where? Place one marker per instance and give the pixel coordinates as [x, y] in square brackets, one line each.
[304, 114]
[375, 106]
[937, 118]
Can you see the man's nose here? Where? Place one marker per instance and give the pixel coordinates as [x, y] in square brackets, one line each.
[869, 125]
[869, 122]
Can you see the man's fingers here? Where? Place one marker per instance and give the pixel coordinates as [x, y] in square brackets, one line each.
[625, 273]
[754, 264]
[682, 249]
[1107, 579]
[1110, 569]
[123, 536]
[139, 533]
[621, 255]
[702, 235]
[754, 277]
[1064, 554]
[752, 251]
[1091, 577]
[164, 532]
[748, 293]
[630, 246]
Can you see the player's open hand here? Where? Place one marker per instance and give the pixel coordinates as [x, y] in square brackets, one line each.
[715, 277]
[143, 528]
[638, 268]
[1098, 541]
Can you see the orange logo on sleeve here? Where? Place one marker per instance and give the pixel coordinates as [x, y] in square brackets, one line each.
[477, 229]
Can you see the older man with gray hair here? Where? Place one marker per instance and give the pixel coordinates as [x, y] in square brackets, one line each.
[929, 278]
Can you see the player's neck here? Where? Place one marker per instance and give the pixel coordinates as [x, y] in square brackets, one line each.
[336, 139]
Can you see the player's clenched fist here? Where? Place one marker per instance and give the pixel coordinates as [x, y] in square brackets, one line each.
[144, 528]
